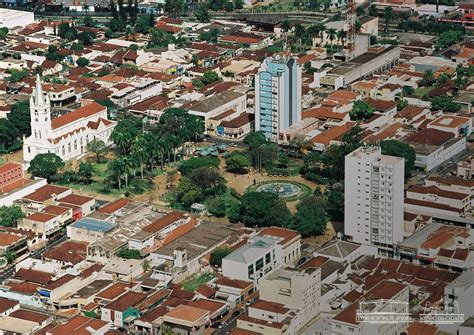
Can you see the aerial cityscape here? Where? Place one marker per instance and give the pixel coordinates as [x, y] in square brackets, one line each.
[242, 167]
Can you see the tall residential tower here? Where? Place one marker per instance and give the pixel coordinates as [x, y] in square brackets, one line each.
[374, 197]
[277, 96]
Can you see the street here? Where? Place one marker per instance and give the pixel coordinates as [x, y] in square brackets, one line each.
[8, 272]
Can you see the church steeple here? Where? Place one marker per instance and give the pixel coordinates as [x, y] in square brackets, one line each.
[39, 98]
[40, 113]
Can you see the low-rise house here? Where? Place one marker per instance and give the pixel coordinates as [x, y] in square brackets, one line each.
[46, 195]
[137, 91]
[436, 195]
[7, 306]
[465, 169]
[234, 291]
[184, 250]
[14, 243]
[248, 40]
[59, 94]
[458, 125]
[158, 229]
[218, 104]
[46, 225]
[80, 325]
[452, 184]
[121, 312]
[86, 204]
[236, 128]
[433, 147]
[186, 319]
[69, 253]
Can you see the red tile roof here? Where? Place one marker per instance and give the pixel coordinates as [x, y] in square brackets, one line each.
[127, 300]
[70, 252]
[114, 206]
[430, 136]
[45, 192]
[240, 284]
[34, 276]
[82, 112]
[6, 304]
[287, 234]
[75, 199]
[29, 315]
[113, 291]
[163, 222]
[78, 325]
[270, 306]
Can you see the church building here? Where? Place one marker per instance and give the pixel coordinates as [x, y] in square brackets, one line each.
[66, 135]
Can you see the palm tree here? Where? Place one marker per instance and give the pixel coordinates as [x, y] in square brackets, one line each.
[85, 7]
[10, 256]
[140, 153]
[389, 16]
[341, 35]
[146, 265]
[331, 34]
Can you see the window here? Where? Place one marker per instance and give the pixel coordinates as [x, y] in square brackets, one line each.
[259, 264]
[250, 270]
[268, 258]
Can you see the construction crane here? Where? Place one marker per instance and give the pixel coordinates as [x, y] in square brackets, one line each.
[351, 29]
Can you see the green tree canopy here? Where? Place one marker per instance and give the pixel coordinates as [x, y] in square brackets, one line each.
[8, 135]
[218, 254]
[188, 193]
[264, 209]
[45, 165]
[20, 117]
[97, 147]
[216, 206]
[9, 215]
[361, 110]
[255, 139]
[125, 132]
[400, 149]
[208, 179]
[187, 166]
[237, 163]
[82, 62]
[202, 13]
[311, 217]
[85, 172]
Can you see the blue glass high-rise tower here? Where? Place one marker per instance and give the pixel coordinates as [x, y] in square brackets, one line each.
[277, 96]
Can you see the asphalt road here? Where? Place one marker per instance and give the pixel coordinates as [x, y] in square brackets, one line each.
[8, 272]
[231, 324]
[447, 167]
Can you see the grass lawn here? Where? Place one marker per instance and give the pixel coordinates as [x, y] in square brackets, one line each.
[421, 91]
[193, 282]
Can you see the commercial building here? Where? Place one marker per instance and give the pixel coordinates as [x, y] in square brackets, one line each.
[299, 291]
[374, 197]
[278, 86]
[253, 261]
[10, 18]
[377, 58]
[89, 230]
[218, 104]
[434, 146]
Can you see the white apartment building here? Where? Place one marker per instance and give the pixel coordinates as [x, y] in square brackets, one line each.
[374, 197]
[299, 291]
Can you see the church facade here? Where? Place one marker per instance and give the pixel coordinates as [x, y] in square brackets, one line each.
[67, 135]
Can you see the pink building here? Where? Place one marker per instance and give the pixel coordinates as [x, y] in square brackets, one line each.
[10, 172]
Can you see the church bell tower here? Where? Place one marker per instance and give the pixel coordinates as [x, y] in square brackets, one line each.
[40, 111]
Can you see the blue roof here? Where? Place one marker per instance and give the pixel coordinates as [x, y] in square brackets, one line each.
[93, 225]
